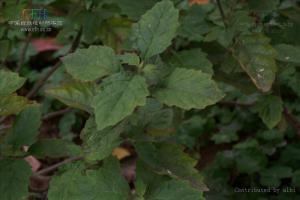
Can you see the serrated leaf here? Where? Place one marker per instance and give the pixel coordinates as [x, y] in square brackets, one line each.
[92, 63]
[14, 179]
[270, 110]
[53, 148]
[192, 59]
[98, 145]
[9, 82]
[25, 129]
[288, 53]
[105, 183]
[130, 59]
[156, 29]
[76, 94]
[118, 98]
[257, 57]
[187, 89]
[169, 159]
[12, 104]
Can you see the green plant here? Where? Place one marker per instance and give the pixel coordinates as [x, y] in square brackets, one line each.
[203, 95]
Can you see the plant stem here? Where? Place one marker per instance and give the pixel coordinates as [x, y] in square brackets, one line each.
[57, 165]
[56, 114]
[23, 53]
[222, 12]
[44, 78]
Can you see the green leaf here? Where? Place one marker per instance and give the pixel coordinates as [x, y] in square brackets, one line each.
[271, 177]
[54, 148]
[76, 94]
[130, 59]
[187, 89]
[169, 159]
[296, 179]
[134, 9]
[288, 53]
[192, 59]
[250, 160]
[270, 110]
[98, 145]
[9, 82]
[12, 104]
[5, 47]
[102, 184]
[92, 63]
[153, 115]
[173, 190]
[257, 57]
[263, 5]
[225, 137]
[156, 29]
[193, 25]
[151, 186]
[14, 179]
[65, 125]
[118, 98]
[25, 129]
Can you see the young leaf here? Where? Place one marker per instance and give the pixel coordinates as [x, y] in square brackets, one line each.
[187, 89]
[288, 53]
[104, 183]
[98, 145]
[156, 29]
[118, 98]
[14, 179]
[92, 63]
[76, 94]
[257, 57]
[270, 110]
[9, 82]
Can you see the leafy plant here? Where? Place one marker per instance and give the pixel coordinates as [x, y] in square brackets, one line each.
[202, 96]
